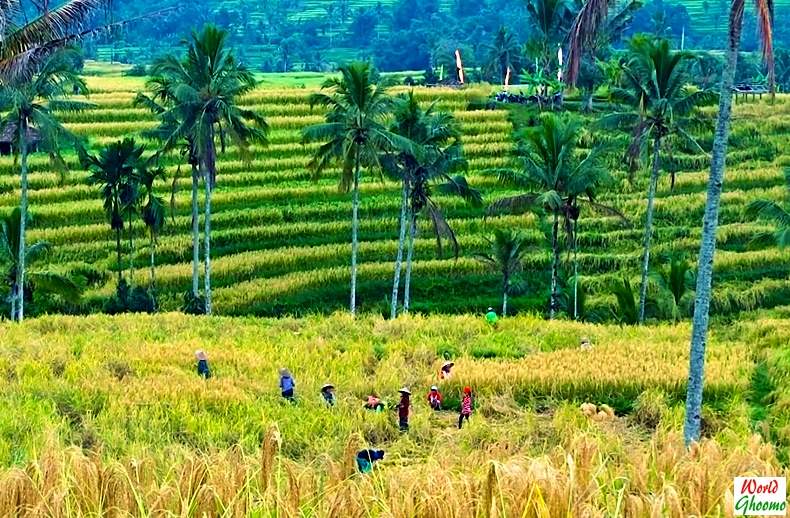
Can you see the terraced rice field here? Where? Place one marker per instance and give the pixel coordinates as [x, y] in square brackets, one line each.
[280, 241]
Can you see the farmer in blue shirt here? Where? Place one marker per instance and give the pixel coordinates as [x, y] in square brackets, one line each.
[287, 384]
[366, 458]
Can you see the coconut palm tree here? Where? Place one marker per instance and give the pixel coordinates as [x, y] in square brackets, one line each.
[710, 221]
[503, 54]
[37, 279]
[29, 103]
[506, 255]
[161, 99]
[206, 88]
[354, 135]
[153, 214]
[660, 104]
[553, 179]
[436, 156]
[780, 216]
[551, 20]
[115, 170]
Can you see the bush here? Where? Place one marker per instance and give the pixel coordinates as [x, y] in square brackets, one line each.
[138, 70]
[125, 300]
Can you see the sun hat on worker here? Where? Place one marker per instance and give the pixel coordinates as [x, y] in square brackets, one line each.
[285, 372]
[200, 355]
[490, 308]
[405, 390]
[327, 386]
[434, 387]
[448, 364]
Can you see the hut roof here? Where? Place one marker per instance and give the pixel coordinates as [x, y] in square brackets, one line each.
[9, 133]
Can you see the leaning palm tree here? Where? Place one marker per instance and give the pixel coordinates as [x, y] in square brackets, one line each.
[153, 215]
[506, 256]
[710, 221]
[774, 212]
[38, 279]
[435, 157]
[354, 135]
[553, 180]
[659, 104]
[161, 99]
[207, 86]
[114, 169]
[29, 104]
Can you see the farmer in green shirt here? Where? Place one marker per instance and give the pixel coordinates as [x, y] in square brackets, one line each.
[491, 317]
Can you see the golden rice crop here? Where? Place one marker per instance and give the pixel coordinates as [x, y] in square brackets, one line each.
[125, 427]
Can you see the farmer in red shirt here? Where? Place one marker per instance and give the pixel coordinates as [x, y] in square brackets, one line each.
[466, 407]
[435, 398]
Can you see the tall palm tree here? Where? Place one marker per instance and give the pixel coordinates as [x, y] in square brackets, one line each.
[29, 103]
[660, 104]
[780, 216]
[436, 156]
[503, 54]
[153, 214]
[161, 99]
[114, 169]
[37, 279]
[207, 86]
[551, 20]
[553, 179]
[710, 221]
[508, 249]
[354, 135]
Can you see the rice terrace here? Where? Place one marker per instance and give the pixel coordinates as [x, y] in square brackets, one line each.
[410, 258]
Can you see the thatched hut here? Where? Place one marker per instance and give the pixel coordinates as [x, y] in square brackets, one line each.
[9, 135]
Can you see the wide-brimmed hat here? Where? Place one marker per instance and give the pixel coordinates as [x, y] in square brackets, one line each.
[405, 390]
[327, 386]
[490, 309]
[448, 364]
[201, 355]
[434, 387]
[585, 339]
[285, 373]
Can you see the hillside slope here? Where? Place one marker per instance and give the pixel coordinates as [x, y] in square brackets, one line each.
[280, 241]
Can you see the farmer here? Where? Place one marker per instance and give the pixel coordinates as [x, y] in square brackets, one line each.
[466, 407]
[491, 317]
[366, 458]
[585, 344]
[435, 398]
[444, 372]
[202, 364]
[403, 409]
[374, 403]
[287, 384]
[328, 393]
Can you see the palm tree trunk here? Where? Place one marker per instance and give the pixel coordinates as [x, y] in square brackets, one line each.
[404, 203]
[131, 251]
[575, 271]
[651, 195]
[118, 252]
[555, 265]
[409, 262]
[20, 268]
[710, 221]
[505, 283]
[209, 176]
[13, 301]
[152, 286]
[195, 233]
[354, 233]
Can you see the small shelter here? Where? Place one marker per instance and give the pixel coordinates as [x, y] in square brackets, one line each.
[9, 135]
